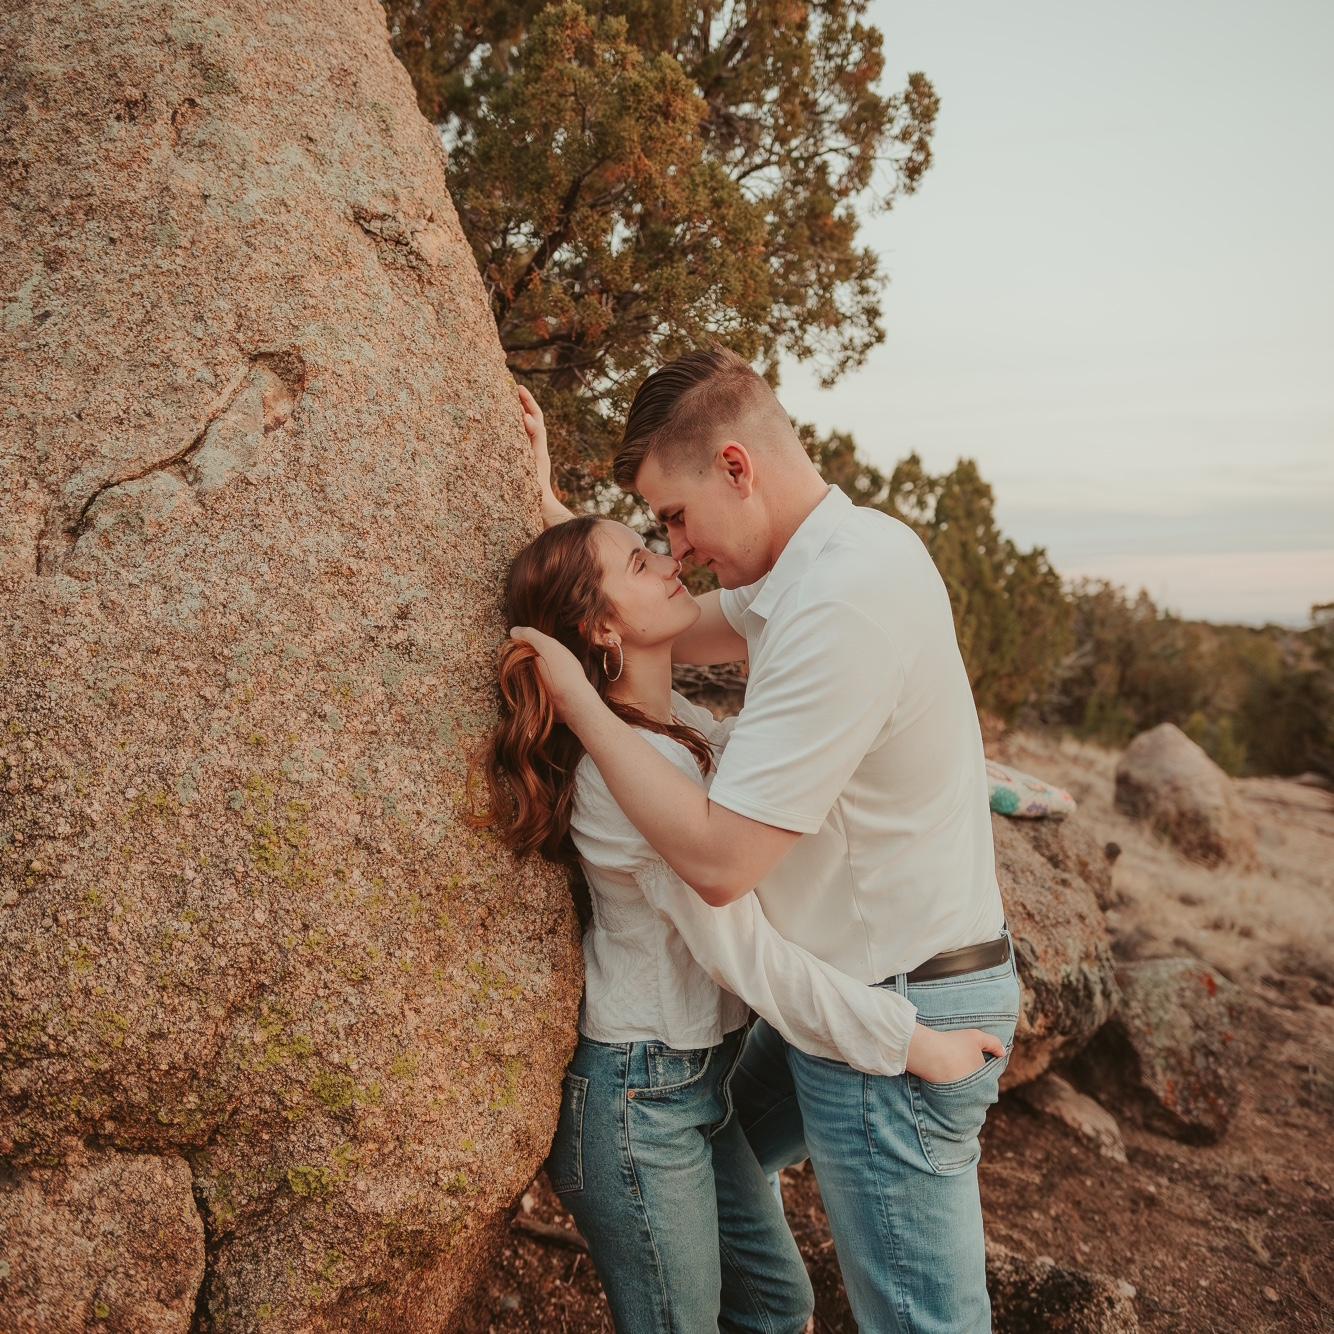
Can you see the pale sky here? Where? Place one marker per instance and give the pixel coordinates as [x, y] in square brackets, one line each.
[1115, 290]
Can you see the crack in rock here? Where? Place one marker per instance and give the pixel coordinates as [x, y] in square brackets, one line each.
[258, 400]
[414, 243]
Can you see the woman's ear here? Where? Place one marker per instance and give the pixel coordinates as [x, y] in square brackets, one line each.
[609, 632]
[604, 636]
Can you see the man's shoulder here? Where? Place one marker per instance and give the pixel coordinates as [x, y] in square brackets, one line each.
[872, 561]
[866, 527]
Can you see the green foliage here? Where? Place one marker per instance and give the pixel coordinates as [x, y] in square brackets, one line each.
[1132, 666]
[1287, 713]
[1257, 700]
[1217, 736]
[637, 177]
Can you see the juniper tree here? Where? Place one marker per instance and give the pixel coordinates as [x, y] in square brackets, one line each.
[640, 175]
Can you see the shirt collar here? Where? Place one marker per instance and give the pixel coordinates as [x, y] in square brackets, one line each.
[802, 548]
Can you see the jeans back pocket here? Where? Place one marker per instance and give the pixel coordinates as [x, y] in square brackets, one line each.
[565, 1162]
[949, 1117]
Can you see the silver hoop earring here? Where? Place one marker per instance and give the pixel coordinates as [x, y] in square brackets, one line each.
[620, 666]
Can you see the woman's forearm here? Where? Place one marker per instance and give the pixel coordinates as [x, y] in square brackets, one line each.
[553, 512]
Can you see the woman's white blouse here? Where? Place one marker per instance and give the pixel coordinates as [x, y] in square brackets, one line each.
[661, 964]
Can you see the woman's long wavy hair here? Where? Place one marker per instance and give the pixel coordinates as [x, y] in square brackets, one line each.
[555, 585]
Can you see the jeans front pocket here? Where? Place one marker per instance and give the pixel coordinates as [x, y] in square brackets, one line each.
[671, 1069]
[565, 1162]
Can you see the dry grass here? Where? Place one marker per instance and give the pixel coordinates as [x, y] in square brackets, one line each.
[1275, 920]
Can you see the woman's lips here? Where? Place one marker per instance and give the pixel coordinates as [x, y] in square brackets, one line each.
[680, 588]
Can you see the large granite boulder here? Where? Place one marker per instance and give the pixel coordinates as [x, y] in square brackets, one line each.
[102, 1240]
[1052, 875]
[1164, 778]
[262, 473]
[1169, 1055]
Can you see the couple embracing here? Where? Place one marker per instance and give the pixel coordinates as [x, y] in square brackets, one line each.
[797, 947]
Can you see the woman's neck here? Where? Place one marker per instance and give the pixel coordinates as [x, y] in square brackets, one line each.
[646, 682]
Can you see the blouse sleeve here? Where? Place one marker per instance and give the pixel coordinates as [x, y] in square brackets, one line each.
[817, 1008]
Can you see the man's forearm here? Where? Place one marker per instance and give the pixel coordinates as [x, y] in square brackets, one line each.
[672, 812]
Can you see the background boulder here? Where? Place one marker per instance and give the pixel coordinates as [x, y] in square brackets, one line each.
[1051, 876]
[264, 470]
[1170, 1054]
[1165, 779]
[1041, 1297]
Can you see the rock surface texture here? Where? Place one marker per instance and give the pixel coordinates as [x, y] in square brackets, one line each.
[1169, 1056]
[1053, 875]
[261, 472]
[1055, 1097]
[1041, 1297]
[1167, 780]
[103, 1240]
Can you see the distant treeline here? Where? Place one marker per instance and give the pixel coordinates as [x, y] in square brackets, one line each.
[1092, 658]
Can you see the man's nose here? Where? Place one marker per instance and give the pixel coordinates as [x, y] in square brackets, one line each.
[668, 566]
[680, 547]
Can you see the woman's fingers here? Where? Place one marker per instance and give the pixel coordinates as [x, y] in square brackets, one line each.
[993, 1044]
[534, 637]
[529, 404]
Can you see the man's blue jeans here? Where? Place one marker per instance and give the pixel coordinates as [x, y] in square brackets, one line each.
[680, 1221]
[895, 1157]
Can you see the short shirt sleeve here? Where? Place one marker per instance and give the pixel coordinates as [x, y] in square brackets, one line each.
[602, 833]
[828, 684]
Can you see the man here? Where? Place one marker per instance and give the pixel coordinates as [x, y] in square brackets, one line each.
[853, 794]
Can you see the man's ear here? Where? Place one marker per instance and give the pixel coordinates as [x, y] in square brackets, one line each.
[735, 460]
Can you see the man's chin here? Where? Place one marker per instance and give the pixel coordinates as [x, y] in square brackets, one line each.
[733, 578]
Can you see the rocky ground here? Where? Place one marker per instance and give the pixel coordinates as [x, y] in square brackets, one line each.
[1233, 1235]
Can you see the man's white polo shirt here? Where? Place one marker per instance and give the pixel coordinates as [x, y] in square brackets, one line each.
[859, 731]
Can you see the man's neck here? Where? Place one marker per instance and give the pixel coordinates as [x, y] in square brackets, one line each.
[792, 510]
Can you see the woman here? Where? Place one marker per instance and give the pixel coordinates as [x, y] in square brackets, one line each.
[681, 1224]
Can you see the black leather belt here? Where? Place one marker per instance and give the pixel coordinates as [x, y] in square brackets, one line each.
[969, 959]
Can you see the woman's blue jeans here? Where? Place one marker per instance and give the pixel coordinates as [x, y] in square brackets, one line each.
[681, 1224]
[895, 1157]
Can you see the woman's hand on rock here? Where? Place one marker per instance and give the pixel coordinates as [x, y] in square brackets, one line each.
[535, 425]
[553, 512]
[941, 1057]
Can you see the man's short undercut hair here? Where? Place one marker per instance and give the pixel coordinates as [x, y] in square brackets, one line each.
[681, 409]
